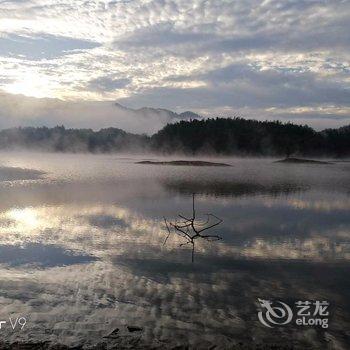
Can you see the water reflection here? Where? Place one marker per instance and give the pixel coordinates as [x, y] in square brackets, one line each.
[40, 255]
[103, 229]
[105, 221]
[231, 188]
[81, 257]
[16, 173]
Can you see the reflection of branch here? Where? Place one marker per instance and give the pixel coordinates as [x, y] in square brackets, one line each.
[188, 228]
[166, 224]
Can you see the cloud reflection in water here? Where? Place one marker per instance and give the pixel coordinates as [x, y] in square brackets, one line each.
[284, 245]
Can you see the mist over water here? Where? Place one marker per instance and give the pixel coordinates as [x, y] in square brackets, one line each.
[81, 249]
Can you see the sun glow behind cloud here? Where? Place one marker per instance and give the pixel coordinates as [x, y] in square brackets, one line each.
[33, 85]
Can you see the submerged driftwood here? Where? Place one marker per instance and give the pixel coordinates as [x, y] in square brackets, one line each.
[190, 228]
[183, 162]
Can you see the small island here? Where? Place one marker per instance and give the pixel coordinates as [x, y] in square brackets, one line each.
[301, 161]
[183, 162]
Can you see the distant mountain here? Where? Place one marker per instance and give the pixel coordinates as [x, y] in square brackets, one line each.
[170, 115]
[189, 115]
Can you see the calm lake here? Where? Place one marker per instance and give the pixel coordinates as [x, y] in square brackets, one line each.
[82, 255]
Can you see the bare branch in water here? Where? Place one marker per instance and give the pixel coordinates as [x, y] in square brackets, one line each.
[188, 228]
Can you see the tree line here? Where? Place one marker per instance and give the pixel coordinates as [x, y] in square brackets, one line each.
[217, 136]
[240, 136]
[60, 139]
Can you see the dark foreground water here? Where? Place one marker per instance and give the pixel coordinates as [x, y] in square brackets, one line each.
[82, 255]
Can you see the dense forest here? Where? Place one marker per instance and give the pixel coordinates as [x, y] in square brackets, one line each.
[223, 136]
[251, 137]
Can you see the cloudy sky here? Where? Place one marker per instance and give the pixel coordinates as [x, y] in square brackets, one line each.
[70, 60]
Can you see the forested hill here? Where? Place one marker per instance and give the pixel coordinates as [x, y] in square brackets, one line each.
[224, 136]
[251, 137]
[60, 139]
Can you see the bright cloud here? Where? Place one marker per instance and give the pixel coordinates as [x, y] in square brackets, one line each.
[287, 59]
